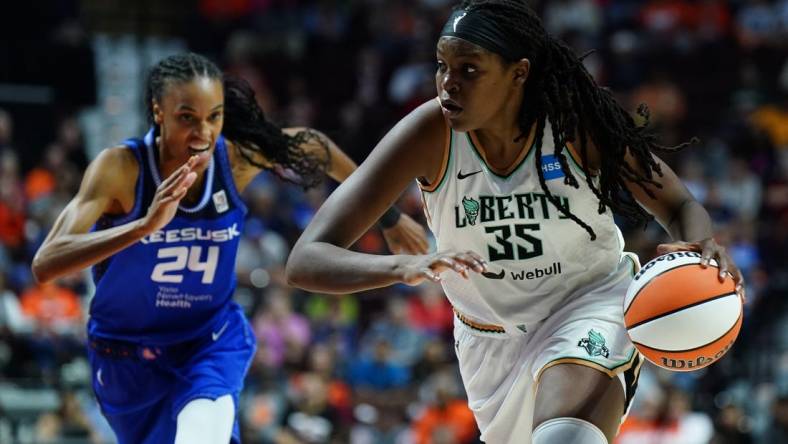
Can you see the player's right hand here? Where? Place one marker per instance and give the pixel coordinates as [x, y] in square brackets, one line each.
[417, 269]
[169, 195]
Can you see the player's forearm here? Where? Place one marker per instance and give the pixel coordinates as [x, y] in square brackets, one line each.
[67, 253]
[691, 222]
[322, 267]
[341, 166]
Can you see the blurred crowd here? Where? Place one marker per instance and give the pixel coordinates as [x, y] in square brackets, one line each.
[378, 367]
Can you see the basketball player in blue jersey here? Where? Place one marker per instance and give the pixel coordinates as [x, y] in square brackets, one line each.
[522, 158]
[160, 218]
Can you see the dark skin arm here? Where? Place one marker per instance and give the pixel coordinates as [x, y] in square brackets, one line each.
[407, 236]
[340, 167]
[321, 261]
[683, 217]
[107, 188]
[687, 222]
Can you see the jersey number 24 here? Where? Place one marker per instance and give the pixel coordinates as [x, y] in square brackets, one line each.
[182, 258]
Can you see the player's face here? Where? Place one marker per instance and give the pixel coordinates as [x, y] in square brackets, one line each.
[474, 85]
[190, 115]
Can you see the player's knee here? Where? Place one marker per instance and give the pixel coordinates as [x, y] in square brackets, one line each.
[567, 431]
[591, 396]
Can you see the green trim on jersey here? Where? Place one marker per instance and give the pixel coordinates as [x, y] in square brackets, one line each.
[448, 165]
[583, 358]
[568, 153]
[481, 159]
[635, 266]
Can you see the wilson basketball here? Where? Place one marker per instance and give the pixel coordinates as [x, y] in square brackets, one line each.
[679, 315]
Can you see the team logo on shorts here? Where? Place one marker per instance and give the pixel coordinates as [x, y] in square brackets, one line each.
[594, 344]
[471, 207]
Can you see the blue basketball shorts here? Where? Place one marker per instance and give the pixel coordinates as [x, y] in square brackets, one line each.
[142, 388]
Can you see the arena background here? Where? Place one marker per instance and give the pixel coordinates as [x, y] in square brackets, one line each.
[378, 367]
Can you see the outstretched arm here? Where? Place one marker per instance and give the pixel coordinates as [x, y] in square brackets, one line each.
[321, 261]
[105, 187]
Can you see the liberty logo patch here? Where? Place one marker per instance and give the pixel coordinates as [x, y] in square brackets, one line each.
[471, 207]
[457, 20]
[220, 201]
[551, 167]
[594, 344]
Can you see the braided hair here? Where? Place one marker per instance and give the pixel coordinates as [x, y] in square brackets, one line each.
[560, 90]
[244, 121]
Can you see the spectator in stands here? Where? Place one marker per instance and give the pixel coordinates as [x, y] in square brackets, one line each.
[447, 414]
[282, 334]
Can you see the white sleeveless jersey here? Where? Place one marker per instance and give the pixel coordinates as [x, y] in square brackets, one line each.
[537, 257]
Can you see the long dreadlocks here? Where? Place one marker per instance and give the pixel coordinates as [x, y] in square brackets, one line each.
[244, 121]
[560, 90]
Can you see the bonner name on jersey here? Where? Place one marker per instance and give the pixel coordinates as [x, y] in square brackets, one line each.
[192, 234]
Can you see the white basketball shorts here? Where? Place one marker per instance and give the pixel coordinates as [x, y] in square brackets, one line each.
[500, 369]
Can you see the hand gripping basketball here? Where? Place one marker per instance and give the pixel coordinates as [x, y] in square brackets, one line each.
[709, 249]
[679, 315]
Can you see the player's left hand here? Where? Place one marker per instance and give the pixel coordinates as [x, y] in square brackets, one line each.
[709, 249]
[406, 237]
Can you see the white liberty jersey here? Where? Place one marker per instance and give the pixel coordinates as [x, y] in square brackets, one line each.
[538, 258]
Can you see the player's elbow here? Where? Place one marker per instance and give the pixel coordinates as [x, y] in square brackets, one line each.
[41, 273]
[295, 269]
[45, 266]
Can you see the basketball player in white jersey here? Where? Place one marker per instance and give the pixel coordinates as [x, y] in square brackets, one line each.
[521, 159]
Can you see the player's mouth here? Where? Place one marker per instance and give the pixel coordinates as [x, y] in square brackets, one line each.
[450, 108]
[199, 149]
[202, 151]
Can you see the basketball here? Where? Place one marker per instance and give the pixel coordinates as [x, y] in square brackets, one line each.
[679, 315]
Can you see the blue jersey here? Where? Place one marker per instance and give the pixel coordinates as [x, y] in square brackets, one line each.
[176, 283]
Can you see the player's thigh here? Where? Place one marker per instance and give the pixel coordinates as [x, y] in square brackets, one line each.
[579, 391]
[206, 421]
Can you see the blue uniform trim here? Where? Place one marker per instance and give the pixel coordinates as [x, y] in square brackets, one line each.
[133, 144]
[107, 221]
[154, 169]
